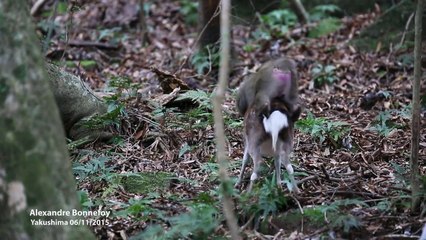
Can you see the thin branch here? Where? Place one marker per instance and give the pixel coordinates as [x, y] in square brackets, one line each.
[37, 6]
[415, 122]
[407, 26]
[51, 25]
[228, 206]
[82, 43]
[300, 11]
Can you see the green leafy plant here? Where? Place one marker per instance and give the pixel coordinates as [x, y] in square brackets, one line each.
[383, 124]
[325, 27]
[277, 22]
[140, 209]
[250, 47]
[88, 64]
[85, 200]
[199, 96]
[184, 149]
[115, 110]
[232, 122]
[123, 89]
[401, 173]
[160, 111]
[323, 75]
[61, 9]
[324, 11]
[321, 129]
[189, 9]
[405, 112]
[346, 221]
[261, 33]
[206, 59]
[201, 116]
[198, 223]
[112, 35]
[45, 25]
[96, 167]
[263, 201]
[335, 214]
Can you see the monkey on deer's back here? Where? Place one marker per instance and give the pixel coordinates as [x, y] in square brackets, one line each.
[268, 99]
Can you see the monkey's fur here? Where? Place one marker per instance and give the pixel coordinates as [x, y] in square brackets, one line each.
[276, 79]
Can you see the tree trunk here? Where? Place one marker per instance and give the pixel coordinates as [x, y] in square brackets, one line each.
[415, 122]
[209, 25]
[35, 172]
[77, 105]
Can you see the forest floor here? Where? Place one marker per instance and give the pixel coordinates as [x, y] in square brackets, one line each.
[351, 148]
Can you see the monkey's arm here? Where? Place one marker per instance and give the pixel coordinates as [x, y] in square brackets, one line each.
[242, 103]
[246, 95]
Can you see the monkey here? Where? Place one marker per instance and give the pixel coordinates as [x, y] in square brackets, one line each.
[276, 79]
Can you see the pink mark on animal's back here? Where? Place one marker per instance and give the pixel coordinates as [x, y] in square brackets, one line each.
[284, 76]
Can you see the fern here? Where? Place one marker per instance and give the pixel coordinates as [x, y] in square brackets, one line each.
[321, 128]
[347, 222]
[198, 96]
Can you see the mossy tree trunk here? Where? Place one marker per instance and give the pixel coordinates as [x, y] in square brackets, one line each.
[77, 105]
[35, 171]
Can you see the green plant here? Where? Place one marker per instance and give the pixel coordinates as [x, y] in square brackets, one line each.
[160, 111]
[123, 89]
[323, 74]
[199, 96]
[346, 221]
[250, 47]
[383, 124]
[112, 35]
[61, 8]
[198, 223]
[202, 114]
[189, 9]
[277, 22]
[115, 110]
[325, 27]
[205, 59]
[263, 201]
[211, 169]
[45, 25]
[184, 149]
[88, 64]
[401, 173]
[321, 129]
[405, 112]
[335, 215]
[261, 33]
[232, 122]
[324, 11]
[123, 86]
[84, 200]
[96, 169]
[140, 209]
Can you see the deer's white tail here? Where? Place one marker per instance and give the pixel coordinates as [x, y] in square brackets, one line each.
[273, 125]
